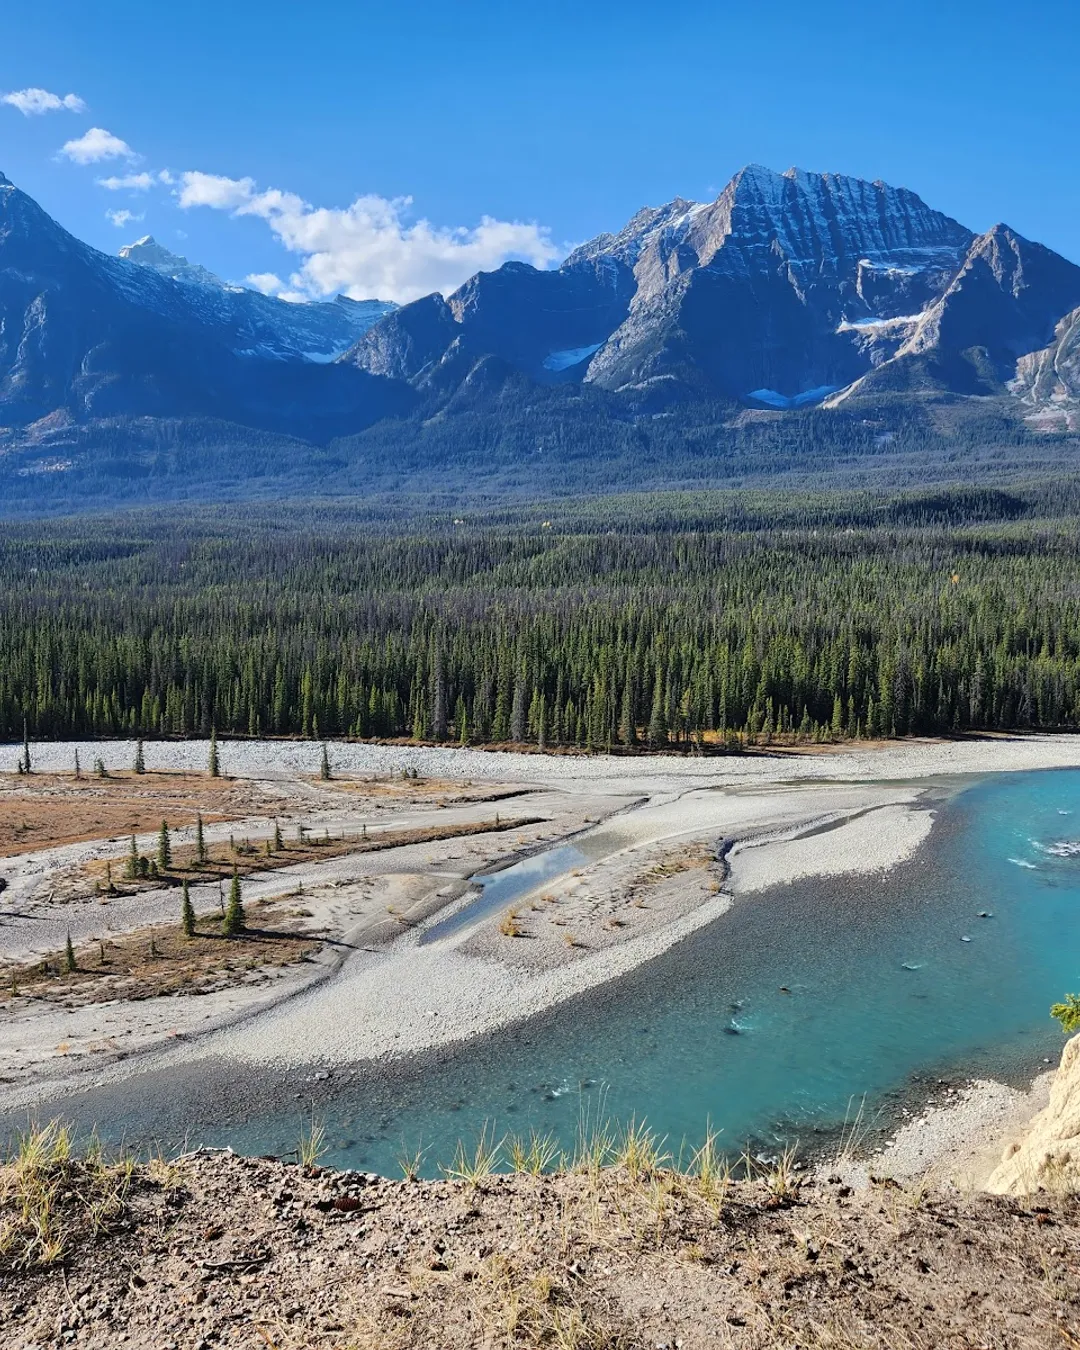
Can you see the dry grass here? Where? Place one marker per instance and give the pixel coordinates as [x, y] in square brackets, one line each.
[630, 1253]
[50, 1200]
[47, 810]
[509, 925]
[161, 960]
[250, 856]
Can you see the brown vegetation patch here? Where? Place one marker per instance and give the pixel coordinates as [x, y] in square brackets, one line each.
[253, 1253]
[162, 960]
[249, 857]
[47, 810]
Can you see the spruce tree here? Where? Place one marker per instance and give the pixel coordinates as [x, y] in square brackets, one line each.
[234, 921]
[78, 766]
[140, 760]
[279, 843]
[164, 848]
[69, 956]
[26, 748]
[324, 767]
[187, 912]
[214, 764]
[200, 840]
[132, 869]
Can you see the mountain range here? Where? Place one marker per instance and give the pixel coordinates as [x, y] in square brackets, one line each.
[788, 292]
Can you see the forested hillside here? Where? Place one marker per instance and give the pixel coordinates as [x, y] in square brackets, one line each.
[674, 619]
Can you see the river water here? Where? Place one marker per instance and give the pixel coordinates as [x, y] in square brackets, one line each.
[772, 1024]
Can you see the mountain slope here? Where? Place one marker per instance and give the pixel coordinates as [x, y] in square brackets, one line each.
[790, 289]
[262, 325]
[85, 337]
[997, 313]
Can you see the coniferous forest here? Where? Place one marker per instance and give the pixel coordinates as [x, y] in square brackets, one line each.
[689, 620]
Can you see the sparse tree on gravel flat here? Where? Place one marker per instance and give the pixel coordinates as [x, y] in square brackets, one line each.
[187, 912]
[234, 921]
[164, 848]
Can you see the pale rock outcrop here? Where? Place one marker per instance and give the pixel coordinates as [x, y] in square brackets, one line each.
[1047, 1155]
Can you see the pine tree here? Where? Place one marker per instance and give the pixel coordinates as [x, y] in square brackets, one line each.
[324, 767]
[78, 766]
[214, 764]
[518, 712]
[132, 869]
[140, 761]
[234, 921]
[279, 843]
[200, 840]
[164, 848]
[187, 912]
[26, 748]
[69, 956]
[658, 726]
[438, 696]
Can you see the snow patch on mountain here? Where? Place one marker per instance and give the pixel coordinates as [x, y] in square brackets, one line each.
[897, 321]
[803, 400]
[574, 356]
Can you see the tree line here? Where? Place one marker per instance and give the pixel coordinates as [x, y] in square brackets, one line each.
[601, 630]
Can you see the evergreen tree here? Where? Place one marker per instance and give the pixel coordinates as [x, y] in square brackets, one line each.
[26, 749]
[234, 921]
[214, 764]
[324, 767]
[438, 695]
[69, 956]
[133, 870]
[200, 840]
[78, 766]
[140, 761]
[164, 848]
[518, 712]
[658, 726]
[187, 912]
[279, 842]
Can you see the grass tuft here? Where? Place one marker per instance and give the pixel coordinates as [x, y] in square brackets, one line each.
[50, 1199]
[479, 1164]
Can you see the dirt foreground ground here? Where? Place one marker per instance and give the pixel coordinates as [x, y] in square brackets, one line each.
[216, 1250]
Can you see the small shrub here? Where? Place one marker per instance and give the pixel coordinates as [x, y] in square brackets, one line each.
[1068, 1013]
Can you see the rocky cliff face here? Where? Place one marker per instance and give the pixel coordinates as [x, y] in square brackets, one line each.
[787, 290]
[783, 289]
[1047, 382]
[1047, 1157]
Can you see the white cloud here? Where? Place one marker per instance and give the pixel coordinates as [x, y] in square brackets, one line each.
[122, 218]
[210, 189]
[370, 248]
[96, 145]
[267, 282]
[35, 102]
[135, 182]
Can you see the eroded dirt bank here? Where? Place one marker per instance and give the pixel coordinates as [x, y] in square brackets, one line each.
[217, 1250]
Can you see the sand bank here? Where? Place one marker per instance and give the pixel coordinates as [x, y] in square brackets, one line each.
[776, 819]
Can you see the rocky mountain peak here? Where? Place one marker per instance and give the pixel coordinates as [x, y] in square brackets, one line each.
[147, 252]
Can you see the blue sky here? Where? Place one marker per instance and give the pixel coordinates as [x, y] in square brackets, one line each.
[552, 123]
